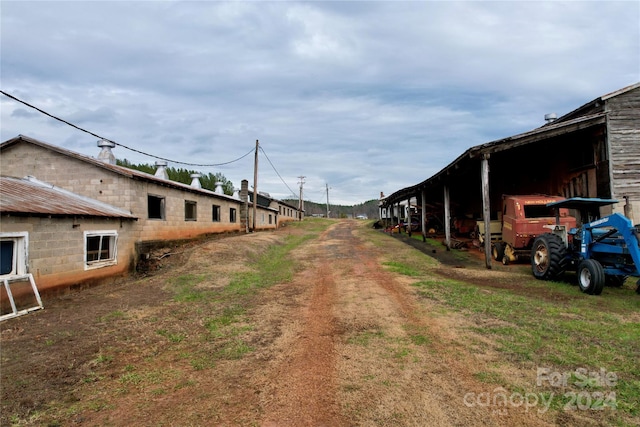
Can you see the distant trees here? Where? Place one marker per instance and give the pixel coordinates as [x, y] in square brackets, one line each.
[208, 181]
[368, 208]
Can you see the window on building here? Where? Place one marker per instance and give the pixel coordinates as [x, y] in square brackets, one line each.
[100, 248]
[232, 215]
[215, 213]
[270, 220]
[13, 253]
[190, 210]
[7, 257]
[155, 207]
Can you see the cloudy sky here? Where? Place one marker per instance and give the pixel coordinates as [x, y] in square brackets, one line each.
[361, 96]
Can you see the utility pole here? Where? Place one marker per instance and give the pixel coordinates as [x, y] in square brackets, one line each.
[255, 188]
[327, 200]
[301, 201]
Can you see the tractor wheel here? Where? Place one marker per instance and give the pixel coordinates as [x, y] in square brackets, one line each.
[548, 257]
[614, 281]
[497, 251]
[591, 277]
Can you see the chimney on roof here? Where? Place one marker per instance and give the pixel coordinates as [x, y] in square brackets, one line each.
[161, 171]
[195, 180]
[219, 189]
[236, 193]
[106, 155]
[550, 117]
[381, 195]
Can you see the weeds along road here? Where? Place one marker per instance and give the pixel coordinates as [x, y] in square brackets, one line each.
[307, 326]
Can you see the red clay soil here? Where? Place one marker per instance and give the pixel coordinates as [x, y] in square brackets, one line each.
[345, 342]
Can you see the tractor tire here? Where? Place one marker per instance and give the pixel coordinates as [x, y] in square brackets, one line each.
[591, 277]
[548, 257]
[497, 250]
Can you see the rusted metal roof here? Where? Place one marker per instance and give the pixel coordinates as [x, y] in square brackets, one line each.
[32, 197]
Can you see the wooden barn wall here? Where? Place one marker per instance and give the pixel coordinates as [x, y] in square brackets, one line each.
[623, 127]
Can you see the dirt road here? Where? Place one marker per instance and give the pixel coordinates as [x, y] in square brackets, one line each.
[345, 342]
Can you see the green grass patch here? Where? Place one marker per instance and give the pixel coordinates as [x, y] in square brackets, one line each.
[272, 267]
[228, 316]
[184, 288]
[418, 339]
[489, 377]
[114, 315]
[103, 358]
[398, 267]
[174, 337]
[553, 326]
[234, 350]
[365, 338]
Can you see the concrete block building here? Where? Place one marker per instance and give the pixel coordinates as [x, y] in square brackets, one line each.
[143, 210]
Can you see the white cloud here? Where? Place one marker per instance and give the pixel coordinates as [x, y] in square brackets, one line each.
[364, 96]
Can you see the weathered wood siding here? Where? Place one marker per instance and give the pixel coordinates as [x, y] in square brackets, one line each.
[623, 131]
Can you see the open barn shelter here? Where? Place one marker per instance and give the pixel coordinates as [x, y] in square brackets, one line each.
[593, 151]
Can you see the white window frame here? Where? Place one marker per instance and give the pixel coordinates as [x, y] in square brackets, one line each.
[113, 255]
[20, 250]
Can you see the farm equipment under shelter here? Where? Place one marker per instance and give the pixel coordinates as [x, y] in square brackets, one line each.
[524, 218]
[601, 251]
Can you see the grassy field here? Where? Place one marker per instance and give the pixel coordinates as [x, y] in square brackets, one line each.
[584, 349]
[168, 344]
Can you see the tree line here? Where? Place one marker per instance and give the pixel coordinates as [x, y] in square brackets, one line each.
[208, 181]
[368, 208]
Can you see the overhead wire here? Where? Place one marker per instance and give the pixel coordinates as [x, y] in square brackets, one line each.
[276, 171]
[142, 152]
[119, 144]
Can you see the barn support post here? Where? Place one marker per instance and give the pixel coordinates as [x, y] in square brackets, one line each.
[399, 213]
[628, 209]
[388, 212]
[486, 209]
[447, 219]
[386, 217]
[423, 215]
[408, 216]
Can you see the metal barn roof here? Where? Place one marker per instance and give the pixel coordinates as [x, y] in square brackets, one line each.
[29, 196]
[120, 170]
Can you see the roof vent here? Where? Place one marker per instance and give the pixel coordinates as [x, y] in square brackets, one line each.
[219, 189]
[106, 155]
[195, 180]
[161, 171]
[550, 117]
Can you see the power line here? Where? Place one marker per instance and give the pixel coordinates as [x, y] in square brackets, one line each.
[117, 143]
[276, 171]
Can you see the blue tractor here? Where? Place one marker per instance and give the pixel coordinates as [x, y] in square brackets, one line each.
[602, 251]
